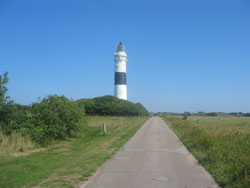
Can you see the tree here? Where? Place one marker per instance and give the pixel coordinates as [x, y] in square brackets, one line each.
[3, 89]
[6, 106]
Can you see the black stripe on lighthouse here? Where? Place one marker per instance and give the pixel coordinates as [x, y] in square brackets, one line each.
[120, 78]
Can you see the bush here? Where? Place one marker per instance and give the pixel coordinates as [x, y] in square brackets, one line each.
[55, 117]
[185, 117]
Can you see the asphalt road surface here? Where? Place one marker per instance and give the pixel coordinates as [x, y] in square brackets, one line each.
[153, 158]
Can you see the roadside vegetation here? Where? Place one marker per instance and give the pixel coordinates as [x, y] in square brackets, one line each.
[54, 117]
[221, 144]
[52, 143]
[69, 163]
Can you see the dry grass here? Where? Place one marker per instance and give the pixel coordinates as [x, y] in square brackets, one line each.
[14, 143]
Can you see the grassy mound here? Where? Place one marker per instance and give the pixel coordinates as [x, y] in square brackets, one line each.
[112, 106]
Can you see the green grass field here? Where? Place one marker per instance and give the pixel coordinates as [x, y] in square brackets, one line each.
[68, 163]
[221, 144]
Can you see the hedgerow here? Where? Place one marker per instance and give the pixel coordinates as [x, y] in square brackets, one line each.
[54, 118]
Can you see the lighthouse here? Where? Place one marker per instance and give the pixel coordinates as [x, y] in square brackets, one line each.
[120, 72]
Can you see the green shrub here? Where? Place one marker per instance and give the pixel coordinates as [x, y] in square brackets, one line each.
[185, 117]
[55, 117]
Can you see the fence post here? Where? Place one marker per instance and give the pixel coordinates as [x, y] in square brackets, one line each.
[121, 121]
[104, 129]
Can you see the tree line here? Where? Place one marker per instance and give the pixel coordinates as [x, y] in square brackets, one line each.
[112, 106]
[237, 114]
[56, 117]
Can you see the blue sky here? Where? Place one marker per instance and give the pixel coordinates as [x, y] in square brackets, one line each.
[182, 55]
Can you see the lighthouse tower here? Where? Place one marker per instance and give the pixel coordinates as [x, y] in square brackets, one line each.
[120, 72]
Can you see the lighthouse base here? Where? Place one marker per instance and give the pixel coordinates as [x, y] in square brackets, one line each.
[121, 92]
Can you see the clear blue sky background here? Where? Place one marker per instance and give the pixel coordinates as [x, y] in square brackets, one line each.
[182, 55]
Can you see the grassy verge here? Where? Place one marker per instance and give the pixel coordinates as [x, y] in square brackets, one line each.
[69, 162]
[221, 144]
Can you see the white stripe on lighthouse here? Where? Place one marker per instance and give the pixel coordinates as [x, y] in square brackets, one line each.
[121, 91]
[120, 66]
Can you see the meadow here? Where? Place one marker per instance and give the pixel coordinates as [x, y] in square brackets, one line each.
[221, 145]
[66, 163]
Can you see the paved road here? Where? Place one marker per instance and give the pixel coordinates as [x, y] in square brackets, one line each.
[153, 158]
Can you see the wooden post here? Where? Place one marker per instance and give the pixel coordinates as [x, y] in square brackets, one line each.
[104, 129]
[121, 121]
